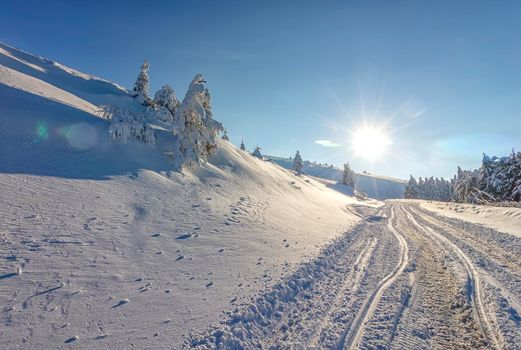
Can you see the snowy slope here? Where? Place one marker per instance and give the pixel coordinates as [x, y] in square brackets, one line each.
[503, 219]
[115, 249]
[373, 186]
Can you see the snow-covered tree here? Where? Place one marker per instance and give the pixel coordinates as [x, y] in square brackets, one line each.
[348, 176]
[297, 163]
[257, 153]
[195, 128]
[225, 135]
[243, 148]
[141, 86]
[165, 97]
[411, 189]
[125, 125]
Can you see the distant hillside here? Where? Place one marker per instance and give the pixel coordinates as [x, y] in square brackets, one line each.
[378, 187]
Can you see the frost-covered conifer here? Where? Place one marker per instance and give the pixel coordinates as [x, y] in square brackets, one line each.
[141, 86]
[348, 176]
[195, 128]
[411, 190]
[166, 97]
[257, 153]
[225, 135]
[125, 125]
[297, 163]
[243, 148]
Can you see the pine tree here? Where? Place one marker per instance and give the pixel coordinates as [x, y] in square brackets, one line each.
[348, 176]
[297, 163]
[166, 97]
[165, 105]
[225, 136]
[196, 130]
[243, 148]
[515, 194]
[256, 153]
[411, 189]
[141, 86]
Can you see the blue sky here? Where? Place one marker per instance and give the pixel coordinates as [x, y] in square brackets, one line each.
[443, 78]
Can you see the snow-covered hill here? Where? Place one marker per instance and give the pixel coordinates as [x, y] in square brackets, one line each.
[373, 186]
[114, 248]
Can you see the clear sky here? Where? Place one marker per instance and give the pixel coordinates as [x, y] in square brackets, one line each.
[443, 78]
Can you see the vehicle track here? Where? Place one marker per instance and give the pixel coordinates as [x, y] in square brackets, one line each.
[475, 290]
[349, 286]
[350, 339]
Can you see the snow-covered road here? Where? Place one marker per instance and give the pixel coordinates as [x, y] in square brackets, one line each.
[404, 278]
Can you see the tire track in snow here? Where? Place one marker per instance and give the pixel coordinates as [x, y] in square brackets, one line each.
[352, 336]
[473, 276]
[349, 284]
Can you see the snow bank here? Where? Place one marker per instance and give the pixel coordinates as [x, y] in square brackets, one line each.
[503, 219]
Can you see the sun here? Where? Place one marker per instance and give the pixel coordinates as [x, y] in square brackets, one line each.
[370, 142]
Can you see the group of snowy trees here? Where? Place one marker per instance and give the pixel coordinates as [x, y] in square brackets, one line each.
[498, 179]
[430, 188]
[190, 120]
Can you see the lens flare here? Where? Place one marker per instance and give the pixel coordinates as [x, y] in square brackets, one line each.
[42, 133]
[81, 135]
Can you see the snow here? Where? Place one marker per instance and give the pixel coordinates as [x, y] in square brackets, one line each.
[117, 248]
[104, 245]
[373, 186]
[504, 219]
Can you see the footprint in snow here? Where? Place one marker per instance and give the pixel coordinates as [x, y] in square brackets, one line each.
[184, 236]
[122, 302]
[209, 284]
[179, 258]
[72, 339]
[155, 235]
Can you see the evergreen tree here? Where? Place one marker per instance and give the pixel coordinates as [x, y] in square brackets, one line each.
[125, 125]
[411, 189]
[348, 176]
[297, 163]
[196, 130]
[165, 104]
[256, 153]
[166, 97]
[225, 136]
[141, 86]
[243, 148]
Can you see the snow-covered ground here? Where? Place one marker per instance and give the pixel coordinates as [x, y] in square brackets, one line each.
[504, 219]
[113, 246]
[104, 246]
[379, 187]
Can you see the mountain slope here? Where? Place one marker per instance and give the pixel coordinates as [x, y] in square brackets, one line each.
[114, 248]
[373, 186]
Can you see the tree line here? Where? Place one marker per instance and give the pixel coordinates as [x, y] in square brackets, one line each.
[497, 180]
